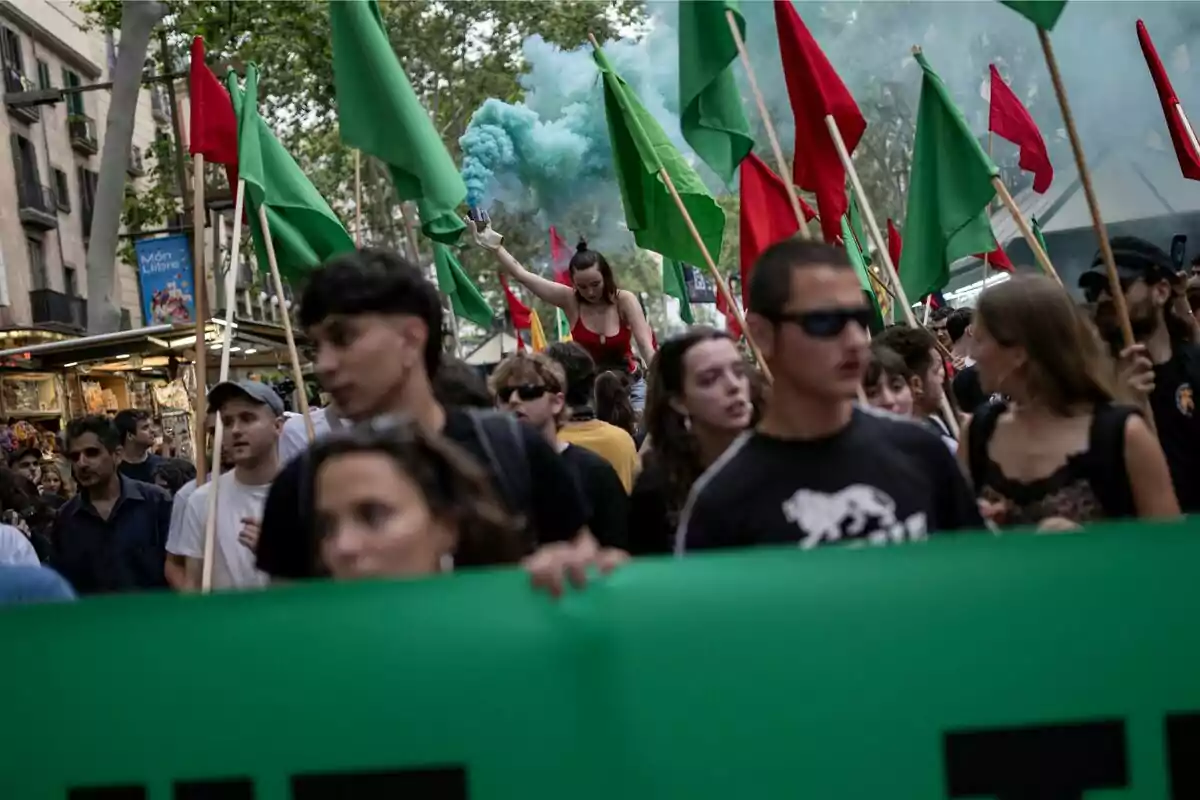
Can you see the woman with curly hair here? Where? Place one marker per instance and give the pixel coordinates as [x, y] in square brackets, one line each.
[392, 500]
[700, 399]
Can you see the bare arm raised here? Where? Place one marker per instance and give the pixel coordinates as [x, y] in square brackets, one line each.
[553, 293]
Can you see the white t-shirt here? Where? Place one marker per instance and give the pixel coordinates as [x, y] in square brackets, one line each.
[177, 508]
[16, 549]
[233, 563]
[293, 440]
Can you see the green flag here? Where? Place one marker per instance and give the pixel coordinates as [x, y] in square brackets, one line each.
[712, 119]
[304, 229]
[859, 261]
[948, 192]
[857, 228]
[561, 326]
[379, 113]
[464, 296]
[1037, 234]
[1043, 13]
[675, 285]
[640, 151]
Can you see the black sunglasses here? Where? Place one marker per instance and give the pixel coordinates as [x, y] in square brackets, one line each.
[828, 322]
[526, 391]
[1093, 290]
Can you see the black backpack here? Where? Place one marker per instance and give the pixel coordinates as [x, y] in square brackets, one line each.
[1106, 450]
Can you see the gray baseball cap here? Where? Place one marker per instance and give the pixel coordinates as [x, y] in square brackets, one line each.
[258, 392]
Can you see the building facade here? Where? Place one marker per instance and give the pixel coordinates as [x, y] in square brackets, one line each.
[48, 176]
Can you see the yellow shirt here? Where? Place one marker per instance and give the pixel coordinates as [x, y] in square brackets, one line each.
[608, 441]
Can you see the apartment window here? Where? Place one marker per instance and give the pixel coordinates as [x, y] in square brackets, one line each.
[70, 281]
[44, 81]
[74, 100]
[62, 191]
[37, 263]
[26, 166]
[87, 197]
[10, 49]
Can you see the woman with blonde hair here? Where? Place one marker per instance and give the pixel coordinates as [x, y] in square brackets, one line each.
[1061, 451]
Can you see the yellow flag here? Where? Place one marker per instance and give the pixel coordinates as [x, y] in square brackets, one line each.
[536, 334]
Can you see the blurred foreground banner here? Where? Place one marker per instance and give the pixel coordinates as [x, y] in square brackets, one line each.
[1050, 667]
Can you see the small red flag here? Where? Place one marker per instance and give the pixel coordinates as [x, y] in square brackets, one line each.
[518, 311]
[998, 259]
[816, 91]
[213, 125]
[560, 258]
[766, 215]
[895, 245]
[1010, 120]
[1189, 159]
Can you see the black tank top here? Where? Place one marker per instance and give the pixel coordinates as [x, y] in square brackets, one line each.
[1091, 485]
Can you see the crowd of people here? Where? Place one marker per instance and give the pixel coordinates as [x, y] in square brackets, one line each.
[421, 465]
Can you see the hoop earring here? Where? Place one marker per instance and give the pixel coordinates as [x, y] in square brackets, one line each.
[446, 563]
[687, 423]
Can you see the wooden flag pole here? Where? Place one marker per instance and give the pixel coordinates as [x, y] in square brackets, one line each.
[210, 521]
[722, 285]
[1085, 178]
[200, 303]
[882, 248]
[277, 282]
[785, 172]
[986, 256]
[1026, 231]
[357, 199]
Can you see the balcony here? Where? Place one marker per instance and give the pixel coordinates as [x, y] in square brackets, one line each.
[53, 309]
[15, 82]
[36, 205]
[137, 167]
[82, 129]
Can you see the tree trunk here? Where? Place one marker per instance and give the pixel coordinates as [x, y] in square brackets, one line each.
[137, 23]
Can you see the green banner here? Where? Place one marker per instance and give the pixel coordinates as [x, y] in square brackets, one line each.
[1062, 666]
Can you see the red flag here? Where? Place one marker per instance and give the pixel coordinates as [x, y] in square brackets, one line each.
[731, 323]
[816, 91]
[518, 311]
[560, 258]
[1189, 159]
[213, 125]
[895, 245]
[1010, 120]
[998, 259]
[766, 214]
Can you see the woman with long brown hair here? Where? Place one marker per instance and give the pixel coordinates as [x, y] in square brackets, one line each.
[700, 400]
[604, 319]
[1062, 451]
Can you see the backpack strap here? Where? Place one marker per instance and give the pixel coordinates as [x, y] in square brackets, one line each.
[1106, 460]
[979, 433]
[502, 442]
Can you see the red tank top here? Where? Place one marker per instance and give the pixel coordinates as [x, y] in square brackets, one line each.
[609, 352]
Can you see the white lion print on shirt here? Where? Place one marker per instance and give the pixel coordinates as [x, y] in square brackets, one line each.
[858, 512]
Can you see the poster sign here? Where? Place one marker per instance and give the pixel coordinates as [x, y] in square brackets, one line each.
[165, 279]
[975, 667]
[700, 287]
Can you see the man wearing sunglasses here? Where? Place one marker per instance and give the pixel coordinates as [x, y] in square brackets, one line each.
[533, 387]
[1165, 364]
[818, 470]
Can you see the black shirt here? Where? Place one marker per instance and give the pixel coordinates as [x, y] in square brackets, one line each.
[968, 392]
[125, 552]
[1174, 405]
[652, 522]
[880, 479]
[287, 544]
[141, 470]
[601, 488]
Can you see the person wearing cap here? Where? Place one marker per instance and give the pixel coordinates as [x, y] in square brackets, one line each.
[252, 416]
[1164, 365]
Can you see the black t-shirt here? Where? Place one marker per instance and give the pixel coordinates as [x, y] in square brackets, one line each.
[142, 470]
[287, 546]
[881, 479]
[651, 521]
[1174, 405]
[602, 489]
[968, 392]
